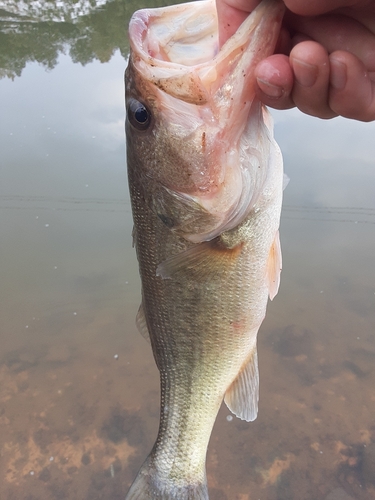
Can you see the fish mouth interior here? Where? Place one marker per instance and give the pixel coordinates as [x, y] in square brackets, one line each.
[179, 34]
[176, 48]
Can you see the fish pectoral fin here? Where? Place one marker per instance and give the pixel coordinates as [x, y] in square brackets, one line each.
[141, 323]
[205, 258]
[243, 394]
[274, 266]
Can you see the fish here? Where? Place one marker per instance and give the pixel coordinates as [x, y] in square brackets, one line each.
[206, 179]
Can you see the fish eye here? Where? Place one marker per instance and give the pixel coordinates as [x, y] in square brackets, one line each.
[138, 114]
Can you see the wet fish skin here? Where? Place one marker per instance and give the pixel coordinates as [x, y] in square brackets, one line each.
[205, 178]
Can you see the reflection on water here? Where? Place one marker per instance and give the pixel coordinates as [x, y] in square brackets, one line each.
[41, 30]
[78, 385]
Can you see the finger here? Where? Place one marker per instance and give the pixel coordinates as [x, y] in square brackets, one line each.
[352, 91]
[231, 13]
[337, 32]
[275, 82]
[311, 68]
[364, 14]
[317, 7]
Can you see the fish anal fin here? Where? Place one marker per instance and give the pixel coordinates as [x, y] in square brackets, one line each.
[204, 258]
[243, 394]
[141, 323]
[274, 266]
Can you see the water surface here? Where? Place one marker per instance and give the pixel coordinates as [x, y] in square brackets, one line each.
[78, 385]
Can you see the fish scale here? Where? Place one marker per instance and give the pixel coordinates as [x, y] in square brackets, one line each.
[205, 280]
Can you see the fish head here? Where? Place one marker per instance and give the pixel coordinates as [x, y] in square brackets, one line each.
[197, 141]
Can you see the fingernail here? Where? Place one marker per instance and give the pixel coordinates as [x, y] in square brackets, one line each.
[269, 89]
[338, 75]
[305, 74]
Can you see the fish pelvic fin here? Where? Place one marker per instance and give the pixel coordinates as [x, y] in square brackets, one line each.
[149, 486]
[274, 266]
[243, 394]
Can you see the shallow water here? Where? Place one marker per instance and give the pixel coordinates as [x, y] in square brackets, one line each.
[78, 384]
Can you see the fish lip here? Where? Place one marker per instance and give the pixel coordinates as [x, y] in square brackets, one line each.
[138, 27]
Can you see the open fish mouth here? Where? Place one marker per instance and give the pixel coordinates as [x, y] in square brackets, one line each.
[178, 49]
[203, 99]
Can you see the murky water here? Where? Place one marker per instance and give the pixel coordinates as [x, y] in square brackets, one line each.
[78, 385]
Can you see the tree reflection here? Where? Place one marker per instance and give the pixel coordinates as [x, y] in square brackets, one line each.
[32, 37]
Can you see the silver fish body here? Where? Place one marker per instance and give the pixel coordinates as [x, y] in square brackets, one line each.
[205, 177]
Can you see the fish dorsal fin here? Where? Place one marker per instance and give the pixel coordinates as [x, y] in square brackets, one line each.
[141, 323]
[134, 236]
[243, 394]
[274, 265]
[286, 181]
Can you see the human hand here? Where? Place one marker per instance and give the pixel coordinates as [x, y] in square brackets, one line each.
[325, 63]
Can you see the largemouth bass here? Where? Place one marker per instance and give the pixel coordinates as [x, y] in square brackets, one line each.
[205, 177]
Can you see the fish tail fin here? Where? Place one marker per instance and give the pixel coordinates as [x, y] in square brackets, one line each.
[149, 486]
